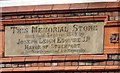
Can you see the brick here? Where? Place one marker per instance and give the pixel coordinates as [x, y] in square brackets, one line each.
[4, 60]
[86, 18]
[54, 64]
[2, 27]
[28, 65]
[73, 19]
[108, 33]
[44, 68]
[100, 57]
[25, 8]
[79, 6]
[19, 21]
[33, 58]
[97, 5]
[84, 68]
[117, 63]
[18, 69]
[1, 44]
[71, 68]
[110, 63]
[7, 69]
[72, 57]
[59, 58]
[96, 63]
[15, 65]
[17, 59]
[45, 58]
[86, 57]
[45, 20]
[111, 68]
[61, 63]
[98, 68]
[111, 51]
[56, 20]
[41, 64]
[112, 5]
[32, 20]
[103, 63]
[47, 64]
[9, 9]
[34, 64]
[58, 68]
[61, 7]
[68, 63]
[31, 69]
[100, 18]
[75, 64]
[81, 63]
[6, 22]
[43, 7]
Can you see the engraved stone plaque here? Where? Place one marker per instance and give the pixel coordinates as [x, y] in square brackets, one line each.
[54, 39]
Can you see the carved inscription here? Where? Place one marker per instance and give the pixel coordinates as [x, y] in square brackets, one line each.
[54, 39]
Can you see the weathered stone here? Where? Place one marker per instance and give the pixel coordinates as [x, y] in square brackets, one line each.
[54, 39]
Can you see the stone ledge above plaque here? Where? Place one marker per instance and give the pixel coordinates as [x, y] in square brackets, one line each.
[54, 39]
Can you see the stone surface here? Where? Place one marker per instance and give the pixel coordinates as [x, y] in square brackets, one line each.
[54, 39]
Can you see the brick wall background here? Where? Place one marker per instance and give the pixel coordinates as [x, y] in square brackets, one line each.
[108, 12]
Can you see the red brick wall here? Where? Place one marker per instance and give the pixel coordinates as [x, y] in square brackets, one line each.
[107, 12]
